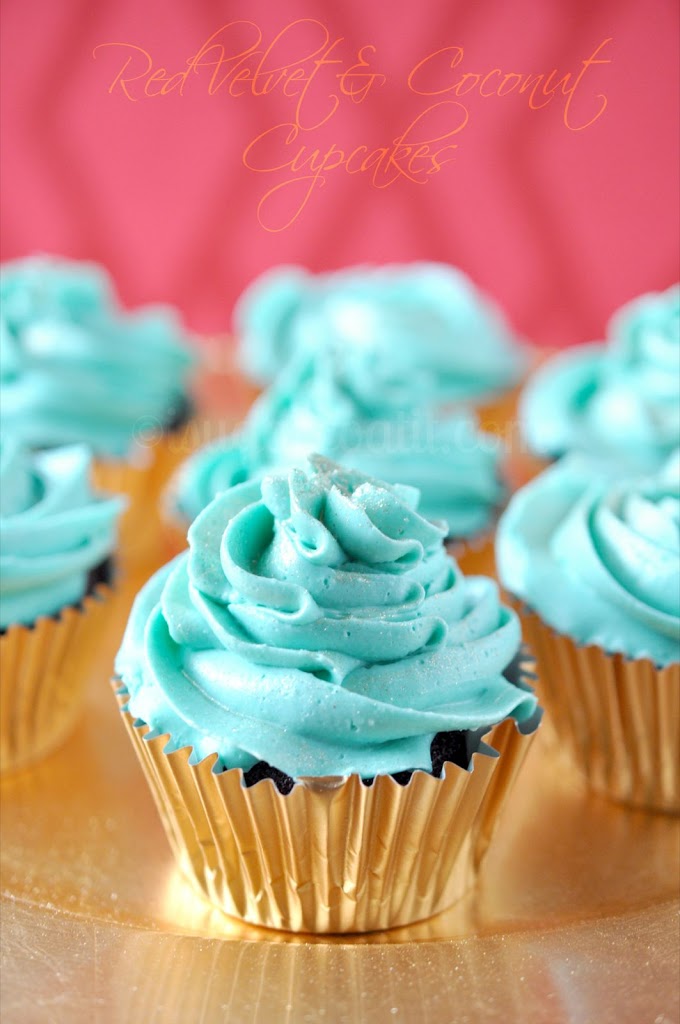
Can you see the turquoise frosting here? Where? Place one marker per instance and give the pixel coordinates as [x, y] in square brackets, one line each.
[619, 399]
[317, 623]
[53, 530]
[212, 469]
[41, 288]
[598, 557]
[78, 368]
[420, 330]
[312, 408]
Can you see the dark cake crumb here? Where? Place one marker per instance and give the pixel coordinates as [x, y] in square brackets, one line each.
[262, 770]
[102, 573]
[446, 746]
[179, 417]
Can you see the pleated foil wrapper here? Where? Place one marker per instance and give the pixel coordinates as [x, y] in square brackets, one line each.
[333, 855]
[617, 717]
[497, 414]
[142, 478]
[475, 555]
[44, 671]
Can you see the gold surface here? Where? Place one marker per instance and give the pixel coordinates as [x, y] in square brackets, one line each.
[574, 920]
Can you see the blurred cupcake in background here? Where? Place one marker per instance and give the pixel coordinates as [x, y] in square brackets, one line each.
[617, 400]
[57, 562]
[420, 326]
[328, 406]
[594, 560]
[309, 689]
[78, 368]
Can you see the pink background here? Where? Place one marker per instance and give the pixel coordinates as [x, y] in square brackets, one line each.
[562, 226]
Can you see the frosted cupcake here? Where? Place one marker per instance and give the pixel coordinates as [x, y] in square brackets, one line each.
[422, 328]
[57, 542]
[617, 400]
[326, 408]
[309, 688]
[596, 563]
[77, 368]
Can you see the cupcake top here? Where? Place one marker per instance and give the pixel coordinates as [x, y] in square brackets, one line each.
[420, 330]
[618, 399]
[53, 530]
[317, 623]
[206, 473]
[78, 368]
[598, 558]
[315, 408]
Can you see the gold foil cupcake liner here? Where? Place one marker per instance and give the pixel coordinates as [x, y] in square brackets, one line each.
[142, 478]
[617, 717]
[476, 555]
[333, 855]
[498, 414]
[44, 670]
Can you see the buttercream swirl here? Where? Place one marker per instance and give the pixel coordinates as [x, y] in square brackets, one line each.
[619, 399]
[418, 331]
[317, 623]
[212, 469]
[599, 558]
[83, 369]
[455, 467]
[53, 530]
[41, 288]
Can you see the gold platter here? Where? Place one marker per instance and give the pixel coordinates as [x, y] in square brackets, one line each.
[575, 919]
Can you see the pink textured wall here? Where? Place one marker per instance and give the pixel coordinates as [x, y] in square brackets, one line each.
[561, 222]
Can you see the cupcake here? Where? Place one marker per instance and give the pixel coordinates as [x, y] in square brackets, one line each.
[326, 408]
[618, 400]
[422, 329]
[328, 712]
[595, 562]
[57, 543]
[77, 368]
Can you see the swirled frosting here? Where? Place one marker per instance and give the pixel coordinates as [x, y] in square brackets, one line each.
[318, 624]
[84, 369]
[619, 399]
[455, 467]
[212, 469]
[41, 288]
[53, 530]
[599, 558]
[418, 331]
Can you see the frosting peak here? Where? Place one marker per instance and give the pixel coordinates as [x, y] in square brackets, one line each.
[421, 330]
[616, 399]
[455, 467]
[610, 548]
[78, 368]
[317, 623]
